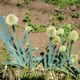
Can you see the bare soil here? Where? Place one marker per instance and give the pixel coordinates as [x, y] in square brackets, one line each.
[39, 40]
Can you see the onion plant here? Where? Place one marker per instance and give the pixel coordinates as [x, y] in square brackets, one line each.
[60, 55]
[17, 53]
[57, 56]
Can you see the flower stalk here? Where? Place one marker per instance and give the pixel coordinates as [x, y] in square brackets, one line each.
[70, 54]
[50, 52]
[30, 50]
[54, 54]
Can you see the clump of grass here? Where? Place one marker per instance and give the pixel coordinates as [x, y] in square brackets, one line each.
[19, 26]
[35, 74]
[58, 17]
[27, 17]
[76, 15]
[61, 17]
[38, 28]
[63, 3]
[26, 1]
[44, 11]
[54, 20]
[18, 4]
[37, 16]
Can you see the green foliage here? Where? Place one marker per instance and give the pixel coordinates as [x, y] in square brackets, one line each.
[10, 73]
[58, 17]
[44, 11]
[36, 28]
[79, 37]
[18, 4]
[26, 61]
[61, 17]
[27, 17]
[37, 16]
[19, 26]
[1, 0]
[63, 3]
[54, 20]
[76, 15]
[33, 74]
[18, 54]
[26, 1]
[5, 54]
[55, 60]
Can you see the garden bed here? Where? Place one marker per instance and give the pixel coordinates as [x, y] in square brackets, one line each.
[41, 13]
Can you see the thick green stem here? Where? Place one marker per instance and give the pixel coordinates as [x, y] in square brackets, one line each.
[63, 42]
[16, 41]
[24, 39]
[39, 60]
[62, 57]
[70, 54]
[45, 60]
[30, 50]
[6, 31]
[74, 66]
[67, 46]
[50, 52]
[53, 58]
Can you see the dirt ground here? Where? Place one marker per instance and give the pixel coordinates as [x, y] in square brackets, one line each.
[39, 40]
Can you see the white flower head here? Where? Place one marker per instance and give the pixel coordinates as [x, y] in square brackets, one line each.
[56, 40]
[51, 31]
[28, 29]
[62, 48]
[6, 67]
[27, 44]
[74, 35]
[36, 48]
[11, 19]
[74, 58]
[60, 31]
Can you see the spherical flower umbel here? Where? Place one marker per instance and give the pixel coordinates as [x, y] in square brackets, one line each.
[11, 19]
[27, 44]
[74, 35]
[6, 67]
[74, 58]
[62, 48]
[56, 40]
[51, 31]
[60, 31]
[28, 29]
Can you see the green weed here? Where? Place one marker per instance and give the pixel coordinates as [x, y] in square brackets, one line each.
[27, 17]
[37, 16]
[18, 4]
[76, 15]
[26, 1]
[44, 11]
[63, 3]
